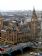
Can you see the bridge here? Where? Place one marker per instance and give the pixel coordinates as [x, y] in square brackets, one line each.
[9, 49]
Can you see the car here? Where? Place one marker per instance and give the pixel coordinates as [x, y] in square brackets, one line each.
[38, 54]
[34, 53]
[31, 53]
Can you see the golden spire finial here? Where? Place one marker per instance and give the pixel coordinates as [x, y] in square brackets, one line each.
[33, 9]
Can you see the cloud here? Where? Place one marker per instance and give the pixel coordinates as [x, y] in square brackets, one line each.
[20, 4]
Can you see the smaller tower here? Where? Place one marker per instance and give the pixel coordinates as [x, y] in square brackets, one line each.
[1, 24]
[21, 23]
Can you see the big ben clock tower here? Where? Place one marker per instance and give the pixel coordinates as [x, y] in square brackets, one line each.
[34, 25]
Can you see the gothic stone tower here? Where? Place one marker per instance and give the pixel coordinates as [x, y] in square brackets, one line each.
[34, 26]
[1, 24]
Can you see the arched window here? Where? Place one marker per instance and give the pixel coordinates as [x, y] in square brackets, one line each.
[0, 34]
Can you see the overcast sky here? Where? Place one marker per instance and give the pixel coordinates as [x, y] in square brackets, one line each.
[6, 5]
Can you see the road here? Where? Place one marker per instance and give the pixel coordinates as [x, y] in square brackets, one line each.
[25, 54]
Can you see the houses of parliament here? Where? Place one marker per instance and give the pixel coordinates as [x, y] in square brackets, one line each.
[16, 32]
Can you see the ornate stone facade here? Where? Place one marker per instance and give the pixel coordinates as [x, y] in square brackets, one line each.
[15, 33]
